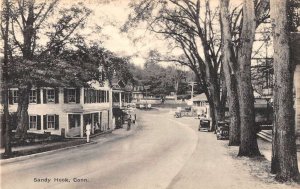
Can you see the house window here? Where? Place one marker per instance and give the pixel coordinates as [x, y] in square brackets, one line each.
[33, 122]
[33, 96]
[102, 98]
[94, 96]
[50, 95]
[50, 121]
[15, 96]
[71, 95]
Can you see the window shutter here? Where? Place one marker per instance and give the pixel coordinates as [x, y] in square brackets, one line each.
[56, 93]
[77, 95]
[38, 95]
[56, 122]
[44, 96]
[10, 97]
[45, 122]
[13, 120]
[38, 122]
[28, 118]
[65, 95]
[107, 96]
[85, 96]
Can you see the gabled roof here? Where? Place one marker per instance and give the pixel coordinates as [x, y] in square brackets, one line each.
[200, 97]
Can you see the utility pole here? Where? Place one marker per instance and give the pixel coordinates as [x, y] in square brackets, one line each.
[146, 88]
[192, 93]
[110, 112]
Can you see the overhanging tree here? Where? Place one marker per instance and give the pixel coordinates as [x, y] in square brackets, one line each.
[110, 65]
[27, 20]
[238, 31]
[229, 67]
[195, 34]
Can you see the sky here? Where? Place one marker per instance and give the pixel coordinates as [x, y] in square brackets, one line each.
[111, 15]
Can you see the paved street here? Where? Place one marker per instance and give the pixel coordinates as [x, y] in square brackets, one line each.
[161, 152]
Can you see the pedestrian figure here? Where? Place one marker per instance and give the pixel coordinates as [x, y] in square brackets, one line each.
[129, 123]
[162, 100]
[88, 131]
[134, 119]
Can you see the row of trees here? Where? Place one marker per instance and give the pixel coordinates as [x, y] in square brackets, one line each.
[161, 80]
[216, 43]
[43, 47]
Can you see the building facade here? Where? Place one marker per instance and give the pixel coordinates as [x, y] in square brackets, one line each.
[65, 111]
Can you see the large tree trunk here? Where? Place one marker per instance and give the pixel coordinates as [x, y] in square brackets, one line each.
[284, 152]
[22, 112]
[223, 96]
[233, 103]
[214, 97]
[27, 51]
[6, 129]
[229, 59]
[212, 112]
[235, 127]
[248, 146]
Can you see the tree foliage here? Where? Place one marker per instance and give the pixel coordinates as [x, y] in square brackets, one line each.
[32, 62]
[192, 27]
[162, 80]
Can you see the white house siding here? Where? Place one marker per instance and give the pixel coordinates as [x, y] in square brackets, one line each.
[104, 121]
[63, 110]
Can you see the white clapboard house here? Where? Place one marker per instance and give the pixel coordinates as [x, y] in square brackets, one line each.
[66, 111]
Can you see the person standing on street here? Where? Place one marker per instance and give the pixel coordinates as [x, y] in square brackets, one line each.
[88, 131]
[129, 123]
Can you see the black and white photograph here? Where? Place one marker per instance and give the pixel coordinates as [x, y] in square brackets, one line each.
[150, 94]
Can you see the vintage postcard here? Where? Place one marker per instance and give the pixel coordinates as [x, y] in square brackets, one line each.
[150, 94]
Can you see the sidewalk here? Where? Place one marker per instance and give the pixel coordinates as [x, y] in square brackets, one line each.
[265, 148]
[215, 165]
[23, 151]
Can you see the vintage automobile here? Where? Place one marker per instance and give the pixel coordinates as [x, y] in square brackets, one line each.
[204, 124]
[184, 111]
[143, 105]
[178, 112]
[222, 130]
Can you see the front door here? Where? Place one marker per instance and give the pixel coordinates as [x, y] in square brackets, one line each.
[74, 125]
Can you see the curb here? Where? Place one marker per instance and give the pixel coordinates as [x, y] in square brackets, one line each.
[21, 158]
[103, 133]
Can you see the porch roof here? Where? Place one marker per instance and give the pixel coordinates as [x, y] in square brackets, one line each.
[84, 111]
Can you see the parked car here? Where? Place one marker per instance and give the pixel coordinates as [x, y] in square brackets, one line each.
[204, 124]
[222, 130]
[131, 105]
[185, 111]
[141, 106]
[178, 112]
